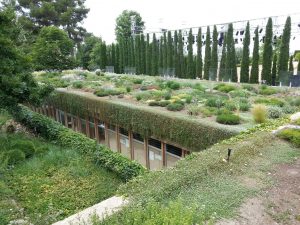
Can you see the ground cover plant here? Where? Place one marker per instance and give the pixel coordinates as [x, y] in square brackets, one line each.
[42, 183]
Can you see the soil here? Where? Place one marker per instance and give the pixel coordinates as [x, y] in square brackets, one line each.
[277, 205]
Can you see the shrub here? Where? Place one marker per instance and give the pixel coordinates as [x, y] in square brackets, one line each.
[214, 102]
[193, 110]
[138, 97]
[15, 156]
[173, 85]
[266, 90]
[77, 84]
[144, 88]
[107, 92]
[259, 113]
[25, 146]
[163, 103]
[188, 99]
[230, 105]
[244, 106]
[288, 109]
[138, 81]
[198, 87]
[224, 87]
[270, 101]
[207, 112]
[228, 118]
[128, 89]
[274, 112]
[98, 72]
[240, 93]
[249, 87]
[295, 101]
[153, 103]
[175, 107]
[292, 135]
[167, 96]
[41, 150]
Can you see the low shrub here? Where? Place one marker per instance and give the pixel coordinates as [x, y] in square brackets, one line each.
[188, 99]
[198, 87]
[274, 112]
[138, 97]
[295, 101]
[163, 103]
[15, 156]
[225, 87]
[292, 135]
[175, 107]
[153, 103]
[208, 111]
[128, 89]
[249, 87]
[270, 101]
[266, 90]
[230, 105]
[288, 109]
[244, 106]
[167, 96]
[259, 113]
[173, 85]
[214, 102]
[193, 110]
[98, 72]
[25, 146]
[137, 81]
[228, 118]
[77, 84]
[240, 93]
[107, 92]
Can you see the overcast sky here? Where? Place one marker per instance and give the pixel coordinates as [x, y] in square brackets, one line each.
[172, 14]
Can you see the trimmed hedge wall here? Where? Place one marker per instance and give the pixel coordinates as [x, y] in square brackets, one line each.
[68, 138]
[192, 134]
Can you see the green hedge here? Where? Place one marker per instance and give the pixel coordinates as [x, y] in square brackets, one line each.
[192, 134]
[65, 137]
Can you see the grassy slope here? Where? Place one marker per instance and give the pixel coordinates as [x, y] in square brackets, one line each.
[206, 182]
[51, 186]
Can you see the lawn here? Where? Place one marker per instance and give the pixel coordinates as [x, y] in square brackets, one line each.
[50, 184]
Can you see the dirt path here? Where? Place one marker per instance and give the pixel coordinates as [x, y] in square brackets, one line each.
[277, 205]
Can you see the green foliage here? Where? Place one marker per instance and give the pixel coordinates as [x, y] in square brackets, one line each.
[270, 101]
[54, 131]
[268, 53]
[25, 146]
[274, 69]
[173, 85]
[198, 87]
[175, 107]
[231, 105]
[259, 113]
[107, 92]
[214, 102]
[288, 109]
[207, 56]
[265, 90]
[224, 87]
[77, 84]
[128, 89]
[15, 156]
[249, 87]
[193, 110]
[199, 63]
[244, 77]
[228, 118]
[52, 50]
[274, 112]
[190, 59]
[292, 135]
[285, 47]
[230, 55]
[214, 55]
[255, 59]
[222, 66]
[138, 81]
[240, 93]
[244, 106]
[295, 101]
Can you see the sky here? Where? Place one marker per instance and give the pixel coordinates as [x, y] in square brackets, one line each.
[181, 14]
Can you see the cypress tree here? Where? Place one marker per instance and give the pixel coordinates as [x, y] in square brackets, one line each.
[148, 55]
[129, 56]
[267, 54]
[230, 56]
[117, 59]
[255, 59]
[285, 48]
[180, 61]
[222, 67]
[175, 58]
[125, 52]
[132, 52]
[207, 57]
[142, 54]
[121, 65]
[154, 58]
[214, 54]
[113, 54]
[137, 54]
[244, 76]
[165, 54]
[199, 62]
[274, 69]
[170, 51]
[160, 57]
[190, 58]
[291, 65]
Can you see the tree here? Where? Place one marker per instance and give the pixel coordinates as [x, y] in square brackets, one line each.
[169, 50]
[214, 54]
[99, 56]
[255, 59]
[52, 50]
[207, 57]
[291, 65]
[16, 82]
[68, 15]
[154, 63]
[175, 48]
[160, 57]
[190, 59]
[231, 57]
[268, 53]
[123, 24]
[274, 69]
[199, 63]
[285, 48]
[143, 55]
[180, 62]
[165, 53]
[244, 76]
[148, 55]
[222, 67]
[138, 54]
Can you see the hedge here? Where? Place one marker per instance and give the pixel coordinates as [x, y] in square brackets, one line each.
[68, 138]
[191, 134]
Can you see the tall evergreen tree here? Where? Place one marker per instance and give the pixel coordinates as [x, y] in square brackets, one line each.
[170, 50]
[222, 67]
[214, 54]
[199, 63]
[113, 54]
[132, 52]
[274, 69]
[165, 53]
[180, 61]
[148, 55]
[117, 60]
[138, 54]
[129, 56]
[255, 59]
[190, 59]
[268, 53]
[291, 65]
[285, 48]
[142, 54]
[207, 57]
[244, 76]
[154, 58]
[231, 57]
[160, 57]
[175, 58]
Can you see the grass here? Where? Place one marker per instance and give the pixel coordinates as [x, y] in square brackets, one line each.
[204, 181]
[51, 186]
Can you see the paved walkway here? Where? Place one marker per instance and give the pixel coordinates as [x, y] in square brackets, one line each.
[101, 210]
